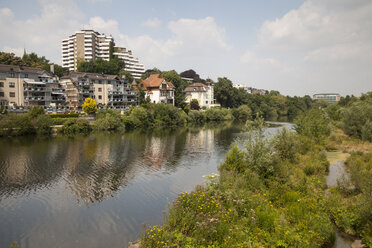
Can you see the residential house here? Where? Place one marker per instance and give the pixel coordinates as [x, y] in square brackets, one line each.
[158, 89]
[204, 93]
[24, 86]
[108, 90]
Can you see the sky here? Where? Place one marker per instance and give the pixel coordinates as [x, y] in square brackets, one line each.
[298, 47]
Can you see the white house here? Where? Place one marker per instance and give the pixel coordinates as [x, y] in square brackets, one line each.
[158, 89]
[204, 93]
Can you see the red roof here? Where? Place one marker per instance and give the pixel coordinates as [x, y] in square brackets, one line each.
[154, 81]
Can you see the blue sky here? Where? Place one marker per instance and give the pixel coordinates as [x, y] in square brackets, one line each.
[296, 47]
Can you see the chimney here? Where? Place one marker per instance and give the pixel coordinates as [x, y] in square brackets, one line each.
[52, 68]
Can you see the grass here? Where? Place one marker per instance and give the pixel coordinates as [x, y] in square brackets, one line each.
[248, 207]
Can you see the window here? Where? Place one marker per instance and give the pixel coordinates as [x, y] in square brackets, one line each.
[11, 85]
[141, 85]
[100, 97]
[1, 93]
[206, 102]
[1, 84]
[25, 75]
[11, 94]
[12, 75]
[99, 89]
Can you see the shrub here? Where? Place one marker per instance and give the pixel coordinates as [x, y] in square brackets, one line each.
[197, 116]
[72, 127]
[217, 114]
[70, 115]
[16, 125]
[36, 111]
[43, 124]
[108, 120]
[313, 124]
[243, 113]
[141, 117]
[367, 131]
[234, 160]
[89, 106]
[355, 117]
[167, 115]
[285, 145]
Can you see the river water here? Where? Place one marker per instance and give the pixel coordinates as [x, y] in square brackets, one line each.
[97, 191]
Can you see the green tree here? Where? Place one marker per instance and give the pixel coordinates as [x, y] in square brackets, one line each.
[223, 91]
[10, 59]
[126, 75]
[89, 106]
[141, 96]
[180, 84]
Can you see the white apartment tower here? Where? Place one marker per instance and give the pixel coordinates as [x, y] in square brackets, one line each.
[85, 45]
[131, 64]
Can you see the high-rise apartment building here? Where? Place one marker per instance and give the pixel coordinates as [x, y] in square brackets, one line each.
[85, 45]
[131, 64]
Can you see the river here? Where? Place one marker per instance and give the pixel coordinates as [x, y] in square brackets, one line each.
[97, 191]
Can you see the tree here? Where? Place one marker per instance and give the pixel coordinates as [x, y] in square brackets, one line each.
[10, 59]
[194, 104]
[89, 106]
[223, 91]
[126, 75]
[179, 83]
[111, 67]
[141, 96]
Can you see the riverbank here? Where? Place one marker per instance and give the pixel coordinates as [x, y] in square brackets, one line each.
[270, 193]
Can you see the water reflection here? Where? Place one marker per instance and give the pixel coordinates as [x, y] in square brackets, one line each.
[98, 190]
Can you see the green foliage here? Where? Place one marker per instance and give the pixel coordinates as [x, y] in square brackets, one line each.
[108, 120]
[70, 115]
[285, 145]
[243, 113]
[197, 117]
[111, 67]
[36, 111]
[141, 117]
[43, 124]
[16, 125]
[10, 59]
[313, 124]
[180, 84]
[76, 126]
[352, 210]
[167, 115]
[367, 131]
[194, 104]
[217, 114]
[127, 75]
[224, 92]
[252, 205]
[355, 117]
[89, 106]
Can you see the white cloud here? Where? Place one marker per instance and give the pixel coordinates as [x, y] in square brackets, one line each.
[43, 33]
[316, 47]
[151, 23]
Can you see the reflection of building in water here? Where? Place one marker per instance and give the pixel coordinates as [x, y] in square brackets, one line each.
[98, 169]
[159, 150]
[201, 141]
[17, 170]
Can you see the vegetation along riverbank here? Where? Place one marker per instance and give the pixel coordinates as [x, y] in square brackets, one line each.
[272, 191]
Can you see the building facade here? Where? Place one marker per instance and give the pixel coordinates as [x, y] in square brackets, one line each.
[85, 45]
[131, 64]
[329, 97]
[22, 86]
[109, 91]
[158, 89]
[204, 93]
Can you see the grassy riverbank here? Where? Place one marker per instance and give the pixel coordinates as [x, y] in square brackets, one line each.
[272, 193]
[269, 194]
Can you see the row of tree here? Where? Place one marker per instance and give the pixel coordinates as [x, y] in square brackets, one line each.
[32, 60]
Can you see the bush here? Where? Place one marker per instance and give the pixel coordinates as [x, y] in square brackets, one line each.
[194, 104]
[197, 117]
[243, 113]
[313, 124]
[141, 117]
[217, 114]
[43, 125]
[16, 125]
[72, 127]
[108, 120]
[167, 115]
[355, 117]
[285, 145]
[367, 131]
[70, 115]
[36, 111]
[89, 106]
